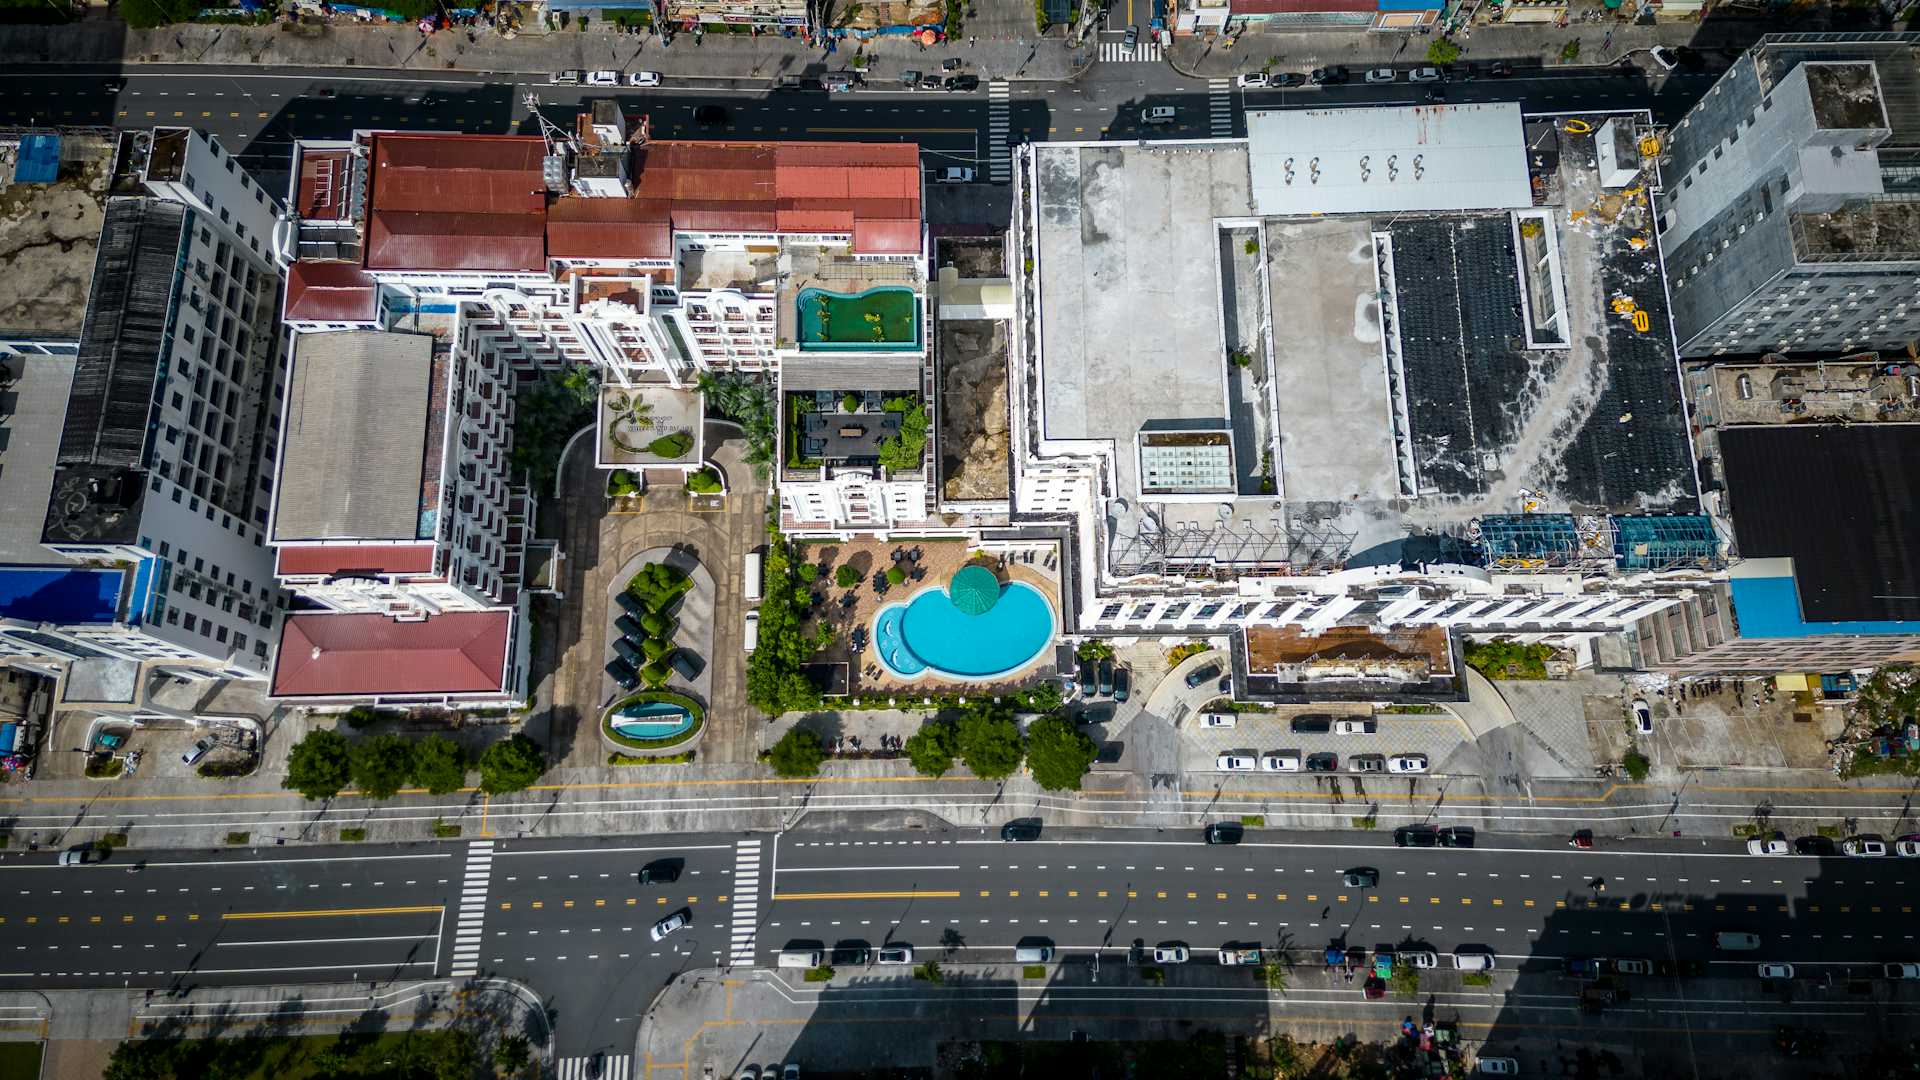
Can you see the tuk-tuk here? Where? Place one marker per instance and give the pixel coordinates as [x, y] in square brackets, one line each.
[838, 82]
[1383, 965]
[910, 79]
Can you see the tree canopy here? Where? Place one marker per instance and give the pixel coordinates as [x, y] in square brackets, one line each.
[319, 765]
[797, 754]
[1058, 753]
[990, 742]
[512, 764]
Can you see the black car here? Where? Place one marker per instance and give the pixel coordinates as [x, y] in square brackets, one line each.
[1105, 677]
[1287, 78]
[961, 84]
[1323, 762]
[932, 82]
[1225, 832]
[1813, 845]
[632, 604]
[850, 954]
[711, 116]
[1087, 683]
[1021, 829]
[631, 627]
[1362, 877]
[1310, 723]
[623, 675]
[1122, 683]
[1456, 836]
[661, 872]
[1328, 76]
[629, 651]
[1415, 836]
[1198, 677]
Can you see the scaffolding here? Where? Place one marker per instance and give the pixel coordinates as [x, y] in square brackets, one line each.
[1230, 548]
[1666, 542]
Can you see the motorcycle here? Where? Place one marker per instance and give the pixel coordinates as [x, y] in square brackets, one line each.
[1582, 840]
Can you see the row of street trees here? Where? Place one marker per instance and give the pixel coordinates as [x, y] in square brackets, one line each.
[324, 763]
[984, 737]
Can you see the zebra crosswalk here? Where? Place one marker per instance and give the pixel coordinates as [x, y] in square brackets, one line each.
[999, 132]
[746, 901]
[473, 909]
[1220, 107]
[1148, 51]
[596, 1067]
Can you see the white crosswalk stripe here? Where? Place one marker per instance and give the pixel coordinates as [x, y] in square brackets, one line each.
[612, 1067]
[999, 132]
[1220, 107]
[1148, 51]
[745, 900]
[473, 909]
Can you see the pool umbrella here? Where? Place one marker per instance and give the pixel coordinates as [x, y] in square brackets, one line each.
[974, 590]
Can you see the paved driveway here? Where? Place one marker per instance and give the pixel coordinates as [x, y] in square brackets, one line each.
[571, 635]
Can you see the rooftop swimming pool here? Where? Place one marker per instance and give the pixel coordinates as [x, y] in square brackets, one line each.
[886, 317]
[651, 720]
[930, 633]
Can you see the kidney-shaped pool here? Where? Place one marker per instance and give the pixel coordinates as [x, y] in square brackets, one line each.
[929, 633]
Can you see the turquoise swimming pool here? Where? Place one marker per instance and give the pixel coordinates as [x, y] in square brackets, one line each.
[930, 634]
[883, 318]
[651, 720]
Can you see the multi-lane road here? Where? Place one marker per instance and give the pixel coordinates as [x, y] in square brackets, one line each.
[570, 918]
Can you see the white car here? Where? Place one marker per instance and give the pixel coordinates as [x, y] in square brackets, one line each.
[1407, 763]
[603, 77]
[1776, 971]
[1380, 75]
[953, 175]
[1235, 763]
[1498, 1067]
[1170, 954]
[1253, 80]
[749, 1072]
[643, 78]
[1901, 971]
[1907, 847]
[676, 921]
[1424, 74]
[1419, 958]
[1355, 727]
[1773, 845]
[1218, 719]
[1159, 114]
[1663, 56]
[1642, 717]
[896, 954]
[1280, 761]
[1864, 847]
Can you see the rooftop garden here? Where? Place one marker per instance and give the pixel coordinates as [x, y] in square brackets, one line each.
[847, 427]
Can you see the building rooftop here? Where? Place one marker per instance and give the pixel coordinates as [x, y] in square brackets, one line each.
[358, 403]
[1386, 160]
[34, 410]
[49, 234]
[331, 292]
[365, 655]
[1843, 502]
[1867, 229]
[64, 595]
[1845, 95]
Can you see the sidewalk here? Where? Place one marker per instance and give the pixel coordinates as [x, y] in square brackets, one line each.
[752, 62]
[85, 1025]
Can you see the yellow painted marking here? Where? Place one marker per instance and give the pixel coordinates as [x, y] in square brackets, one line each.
[1103, 894]
[599, 903]
[1013, 892]
[1043, 894]
[1403, 900]
[660, 900]
[193, 918]
[1527, 903]
[1689, 907]
[1342, 898]
[538, 904]
[1433, 899]
[1312, 899]
[1719, 907]
[1497, 902]
[1160, 895]
[1219, 896]
[1876, 908]
[632, 900]
[95, 919]
[1253, 896]
[506, 905]
[233, 116]
[985, 893]
[1072, 893]
[566, 903]
[1845, 909]
[322, 913]
[1193, 896]
[1373, 898]
[64, 918]
[899, 894]
[1559, 903]
[156, 918]
[721, 899]
[1133, 894]
[263, 116]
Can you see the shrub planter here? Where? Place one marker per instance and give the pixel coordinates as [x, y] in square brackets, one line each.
[672, 744]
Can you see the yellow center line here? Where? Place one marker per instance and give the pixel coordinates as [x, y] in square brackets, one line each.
[904, 894]
[323, 913]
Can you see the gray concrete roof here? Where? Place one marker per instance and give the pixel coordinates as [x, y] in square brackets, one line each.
[1387, 160]
[28, 447]
[357, 407]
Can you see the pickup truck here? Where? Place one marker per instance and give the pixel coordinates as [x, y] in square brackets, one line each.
[1234, 956]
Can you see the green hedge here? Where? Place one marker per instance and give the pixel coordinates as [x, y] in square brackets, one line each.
[682, 700]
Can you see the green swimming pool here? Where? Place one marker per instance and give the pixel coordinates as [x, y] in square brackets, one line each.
[882, 318]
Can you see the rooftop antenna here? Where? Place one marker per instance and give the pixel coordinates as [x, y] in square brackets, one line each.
[553, 133]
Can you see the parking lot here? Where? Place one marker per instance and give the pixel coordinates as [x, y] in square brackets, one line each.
[1437, 735]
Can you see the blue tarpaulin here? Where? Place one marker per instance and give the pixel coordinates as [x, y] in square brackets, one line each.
[39, 160]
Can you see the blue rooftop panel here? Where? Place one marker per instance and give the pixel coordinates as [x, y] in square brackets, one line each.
[1770, 608]
[39, 161]
[59, 594]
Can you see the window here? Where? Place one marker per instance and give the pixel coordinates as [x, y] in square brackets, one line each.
[187, 621]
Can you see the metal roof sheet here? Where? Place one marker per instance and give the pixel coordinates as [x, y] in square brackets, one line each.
[454, 241]
[331, 292]
[1362, 161]
[587, 228]
[883, 236]
[482, 174]
[324, 179]
[328, 559]
[362, 655]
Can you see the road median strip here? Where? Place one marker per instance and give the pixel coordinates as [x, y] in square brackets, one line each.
[422, 909]
[903, 894]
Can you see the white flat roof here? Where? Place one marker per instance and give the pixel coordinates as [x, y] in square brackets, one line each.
[1366, 160]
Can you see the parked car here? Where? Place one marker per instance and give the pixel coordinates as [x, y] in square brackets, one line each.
[1253, 80]
[895, 954]
[201, 748]
[1355, 727]
[1287, 78]
[1380, 75]
[1199, 676]
[850, 954]
[1907, 847]
[1087, 683]
[1407, 763]
[643, 78]
[1582, 967]
[1021, 829]
[629, 651]
[1367, 763]
[1418, 958]
[1225, 832]
[1498, 1066]
[1159, 114]
[81, 855]
[660, 872]
[1424, 74]
[1813, 845]
[1122, 683]
[1132, 37]
[676, 921]
[603, 77]
[630, 627]
[1776, 971]
[1280, 761]
[1218, 720]
[1323, 762]
[790, 1071]
[956, 174]
[1416, 836]
[1633, 967]
[1864, 847]
[963, 84]
[569, 77]
[1642, 717]
[1664, 57]
[623, 675]
[1328, 76]
[1900, 971]
[1311, 723]
[1456, 836]
[1170, 954]
[632, 604]
[1361, 877]
[1105, 673]
[1235, 762]
[1769, 845]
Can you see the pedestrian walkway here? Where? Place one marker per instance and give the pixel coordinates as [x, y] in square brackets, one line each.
[1145, 51]
[1220, 107]
[473, 909]
[596, 1067]
[745, 900]
[999, 131]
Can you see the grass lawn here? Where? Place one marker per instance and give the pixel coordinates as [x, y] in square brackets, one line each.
[19, 1060]
[388, 1055]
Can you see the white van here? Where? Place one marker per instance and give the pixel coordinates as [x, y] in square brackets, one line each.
[1032, 954]
[752, 637]
[752, 584]
[1473, 961]
[802, 958]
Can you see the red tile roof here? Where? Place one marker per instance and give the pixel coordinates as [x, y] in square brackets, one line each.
[331, 292]
[328, 559]
[333, 655]
[455, 241]
[609, 229]
[881, 236]
[473, 174]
